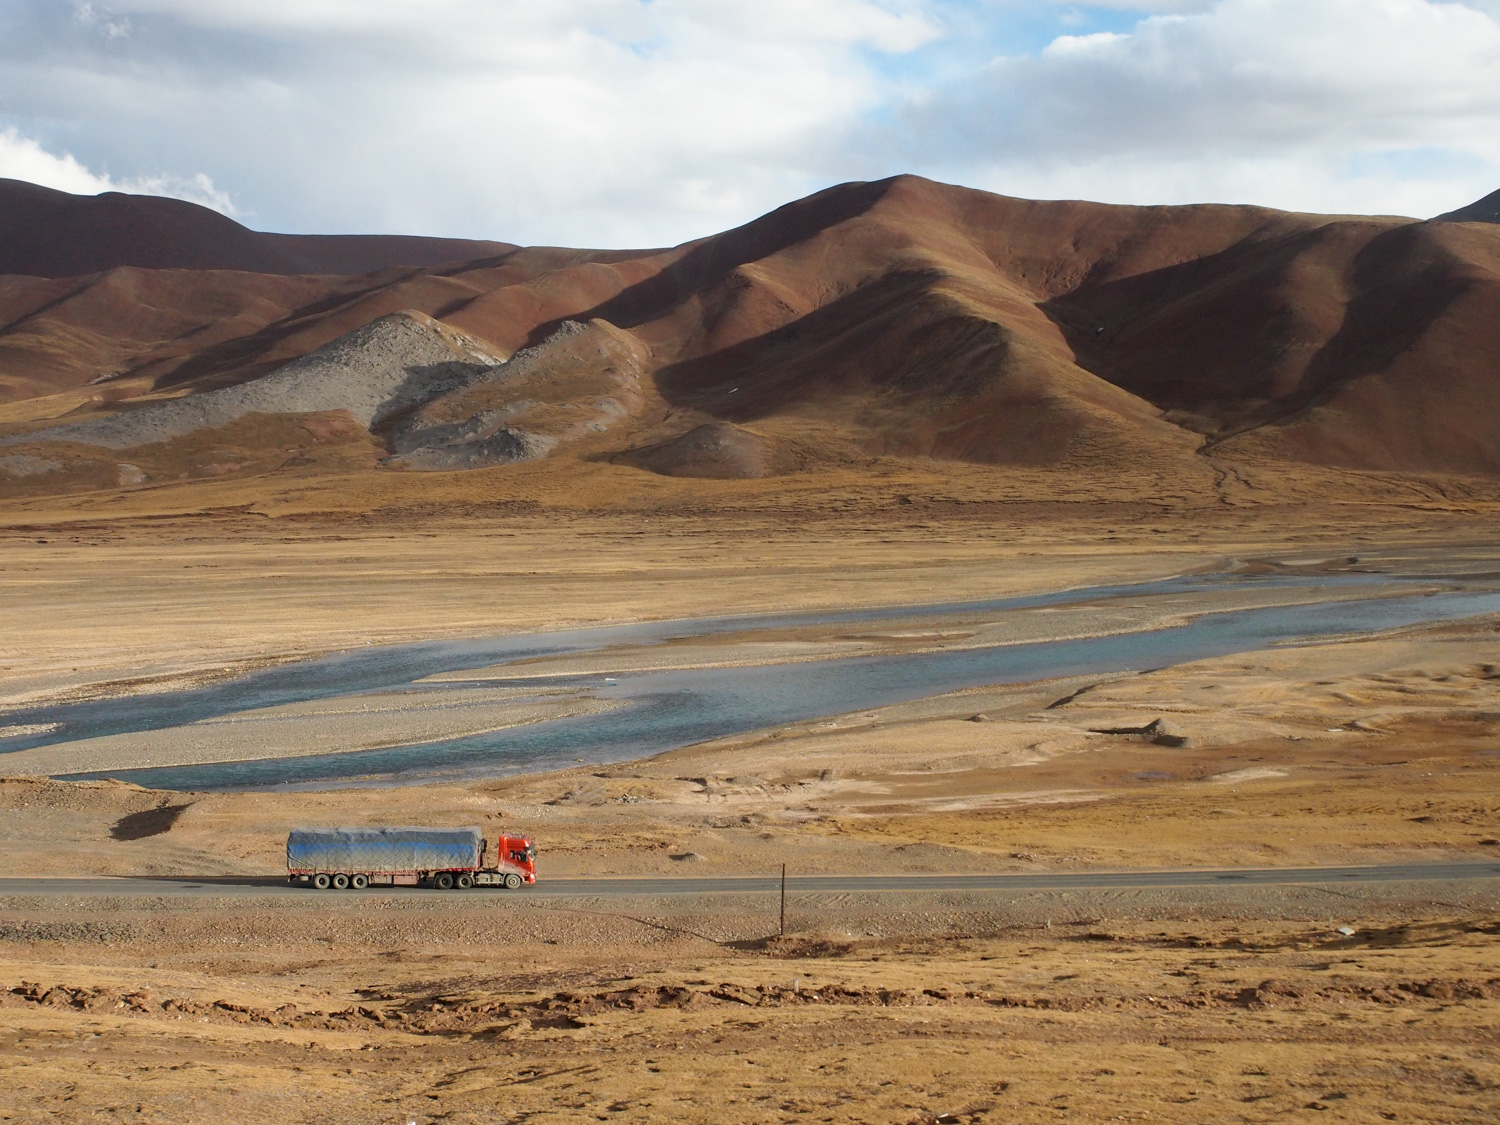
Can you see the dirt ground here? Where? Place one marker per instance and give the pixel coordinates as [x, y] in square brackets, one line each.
[1190, 1007]
[389, 1014]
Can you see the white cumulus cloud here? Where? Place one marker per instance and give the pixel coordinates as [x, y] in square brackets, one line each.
[22, 158]
[1140, 5]
[1312, 104]
[645, 122]
[577, 121]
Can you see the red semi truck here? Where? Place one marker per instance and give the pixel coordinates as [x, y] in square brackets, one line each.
[443, 858]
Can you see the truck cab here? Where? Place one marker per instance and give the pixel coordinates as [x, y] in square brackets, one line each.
[516, 854]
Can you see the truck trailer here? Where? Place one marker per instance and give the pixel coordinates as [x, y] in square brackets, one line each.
[443, 858]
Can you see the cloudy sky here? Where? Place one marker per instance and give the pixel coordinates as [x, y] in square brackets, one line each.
[648, 122]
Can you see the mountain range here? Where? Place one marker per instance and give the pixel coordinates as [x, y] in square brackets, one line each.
[897, 319]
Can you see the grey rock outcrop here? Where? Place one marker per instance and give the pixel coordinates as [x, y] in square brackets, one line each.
[577, 382]
[389, 366]
[719, 450]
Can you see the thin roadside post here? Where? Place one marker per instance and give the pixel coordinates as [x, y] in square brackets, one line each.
[783, 900]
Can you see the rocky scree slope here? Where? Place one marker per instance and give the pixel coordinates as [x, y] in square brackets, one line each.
[578, 382]
[373, 373]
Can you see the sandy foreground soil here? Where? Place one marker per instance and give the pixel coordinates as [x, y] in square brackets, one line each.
[392, 1013]
[1231, 1004]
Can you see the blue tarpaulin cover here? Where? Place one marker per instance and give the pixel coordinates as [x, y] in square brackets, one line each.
[383, 850]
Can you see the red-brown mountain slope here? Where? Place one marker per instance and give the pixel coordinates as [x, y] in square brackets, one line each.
[1486, 210]
[47, 233]
[900, 318]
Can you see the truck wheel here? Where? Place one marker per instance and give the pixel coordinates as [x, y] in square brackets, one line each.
[320, 881]
[465, 881]
[443, 881]
[359, 882]
[341, 882]
[512, 882]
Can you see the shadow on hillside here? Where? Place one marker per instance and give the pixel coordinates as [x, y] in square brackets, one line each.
[152, 822]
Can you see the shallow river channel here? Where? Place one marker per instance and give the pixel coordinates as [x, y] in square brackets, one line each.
[662, 710]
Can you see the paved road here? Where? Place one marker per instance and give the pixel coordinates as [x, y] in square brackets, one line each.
[656, 885]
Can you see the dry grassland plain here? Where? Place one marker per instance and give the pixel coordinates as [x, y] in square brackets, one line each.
[1227, 1005]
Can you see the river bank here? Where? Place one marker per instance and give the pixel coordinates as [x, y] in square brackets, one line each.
[439, 711]
[1373, 750]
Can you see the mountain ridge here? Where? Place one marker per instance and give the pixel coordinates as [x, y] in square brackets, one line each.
[1486, 210]
[900, 318]
[50, 233]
